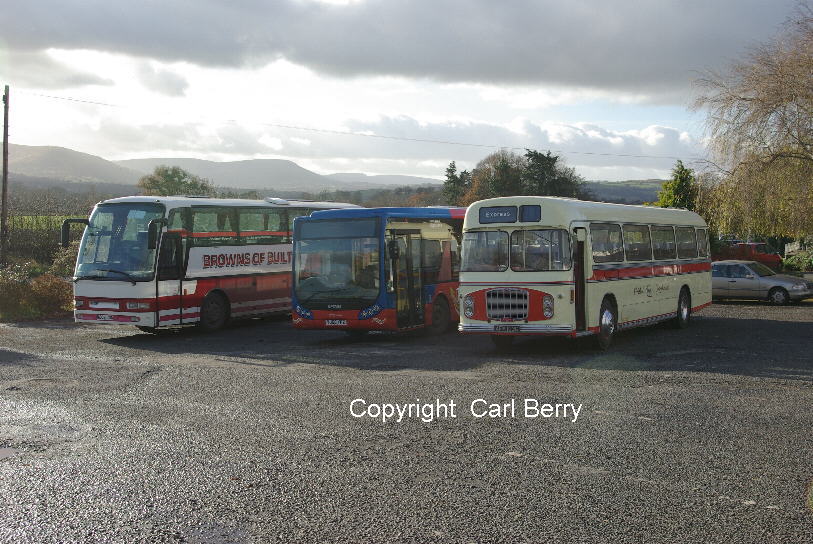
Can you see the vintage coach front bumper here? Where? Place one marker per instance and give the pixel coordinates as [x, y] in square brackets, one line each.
[514, 328]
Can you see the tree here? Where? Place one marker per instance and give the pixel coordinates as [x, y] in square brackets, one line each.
[544, 175]
[171, 180]
[760, 127]
[455, 185]
[681, 191]
[498, 174]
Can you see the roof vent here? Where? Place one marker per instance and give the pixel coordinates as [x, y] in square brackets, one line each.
[277, 201]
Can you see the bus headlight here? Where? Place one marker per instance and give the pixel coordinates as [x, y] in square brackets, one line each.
[468, 306]
[77, 303]
[547, 306]
[138, 305]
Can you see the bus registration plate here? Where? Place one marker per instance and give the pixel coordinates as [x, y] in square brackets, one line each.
[506, 328]
[336, 322]
[104, 317]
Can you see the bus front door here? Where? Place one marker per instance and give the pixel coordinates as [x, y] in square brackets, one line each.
[407, 267]
[169, 288]
[579, 278]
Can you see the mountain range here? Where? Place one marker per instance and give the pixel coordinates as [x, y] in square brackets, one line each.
[48, 166]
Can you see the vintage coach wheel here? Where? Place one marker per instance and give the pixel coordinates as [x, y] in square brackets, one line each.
[607, 323]
[440, 317]
[214, 312]
[684, 309]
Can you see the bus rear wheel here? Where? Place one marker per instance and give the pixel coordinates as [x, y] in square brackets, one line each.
[440, 317]
[684, 309]
[214, 312]
[607, 322]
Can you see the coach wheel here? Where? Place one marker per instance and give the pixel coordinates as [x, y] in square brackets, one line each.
[684, 309]
[607, 321]
[502, 341]
[440, 316]
[214, 312]
[778, 296]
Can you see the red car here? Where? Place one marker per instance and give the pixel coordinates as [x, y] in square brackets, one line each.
[750, 251]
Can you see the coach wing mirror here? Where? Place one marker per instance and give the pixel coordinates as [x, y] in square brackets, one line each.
[393, 249]
[66, 230]
[152, 232]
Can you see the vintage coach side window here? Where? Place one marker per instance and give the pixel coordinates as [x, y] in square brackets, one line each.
[663, 243]
[686, 242]
[702, 243]
[261, 226]
[636, 243]
[606, 242]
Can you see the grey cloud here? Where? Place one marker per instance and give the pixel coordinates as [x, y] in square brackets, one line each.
[162, 81]
[37, 69]
[647, 47]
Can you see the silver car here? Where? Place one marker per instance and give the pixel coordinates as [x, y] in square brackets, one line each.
[750, 279]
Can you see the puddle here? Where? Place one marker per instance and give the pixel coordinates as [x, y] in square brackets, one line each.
[8, 452]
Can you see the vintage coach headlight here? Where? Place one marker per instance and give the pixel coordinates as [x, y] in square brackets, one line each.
[468, 306]
[547, 306]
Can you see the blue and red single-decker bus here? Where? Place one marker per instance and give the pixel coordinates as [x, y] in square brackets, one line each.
[385, 269]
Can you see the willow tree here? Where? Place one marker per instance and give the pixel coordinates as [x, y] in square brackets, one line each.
[760, 128]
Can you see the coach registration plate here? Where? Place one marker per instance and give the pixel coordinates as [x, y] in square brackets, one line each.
[506, 328]
[104, 317]
[336, 322]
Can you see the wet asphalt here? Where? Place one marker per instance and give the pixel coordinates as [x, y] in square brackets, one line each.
[246, 435]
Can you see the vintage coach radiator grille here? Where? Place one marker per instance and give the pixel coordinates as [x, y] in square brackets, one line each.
[507, 304]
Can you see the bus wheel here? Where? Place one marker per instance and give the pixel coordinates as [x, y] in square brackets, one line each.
[684, 309]
[440, 317]
[502, 341]
[607, 321]
[214, 312]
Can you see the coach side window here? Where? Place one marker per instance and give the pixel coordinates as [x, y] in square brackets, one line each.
[702, 243]
[686, 242]
[636, 243]
[261, 226]
[663, 243]
[214, 226]
[606, 243]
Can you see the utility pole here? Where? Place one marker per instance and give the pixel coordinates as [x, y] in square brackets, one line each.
[4, 197]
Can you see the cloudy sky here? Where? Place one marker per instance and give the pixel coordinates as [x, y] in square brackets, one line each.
[375, 86]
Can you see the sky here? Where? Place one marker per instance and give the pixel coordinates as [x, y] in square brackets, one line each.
[375, 86]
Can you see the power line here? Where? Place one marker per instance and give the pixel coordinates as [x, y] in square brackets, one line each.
[396, 138]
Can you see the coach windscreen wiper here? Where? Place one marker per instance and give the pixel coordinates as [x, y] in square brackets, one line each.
[128, 276]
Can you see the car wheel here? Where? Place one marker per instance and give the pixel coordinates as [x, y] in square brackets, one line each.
[214, 312]
[440, 317]
[778, 296]
[502, 341]
[607, 323]
[684, 309]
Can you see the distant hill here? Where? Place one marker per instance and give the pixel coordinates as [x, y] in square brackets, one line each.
[67, 164]
[250, 174]
[47, 166]
[626, 192]
[357, 177]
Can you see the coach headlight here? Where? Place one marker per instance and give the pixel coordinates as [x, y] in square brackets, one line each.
[547, 306]
[468, 306]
